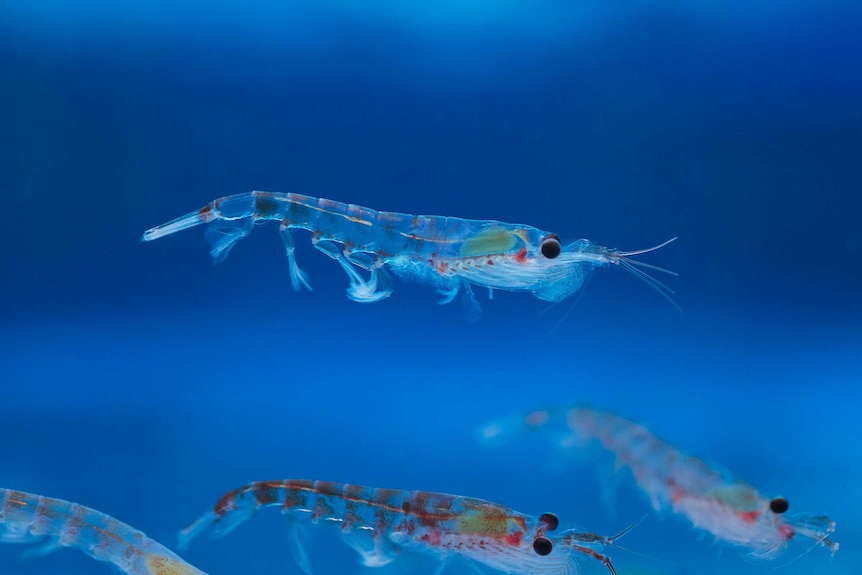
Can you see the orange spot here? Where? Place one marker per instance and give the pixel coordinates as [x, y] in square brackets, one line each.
[520, 522]
[161, 565]
[16, 499]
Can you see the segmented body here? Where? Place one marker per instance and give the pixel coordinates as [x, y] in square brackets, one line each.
[712, 500]
[450, 253]
[28, 518]
[378, 523]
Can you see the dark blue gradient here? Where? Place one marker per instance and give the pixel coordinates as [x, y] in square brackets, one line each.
[141, 380]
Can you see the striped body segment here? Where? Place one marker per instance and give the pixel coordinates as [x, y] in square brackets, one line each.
[380, 523]
[29, 518]
[452, 254]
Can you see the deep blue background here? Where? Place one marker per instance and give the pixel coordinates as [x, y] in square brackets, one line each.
[143, 381]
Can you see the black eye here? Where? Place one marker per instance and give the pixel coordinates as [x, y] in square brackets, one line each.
[542, 546]
[551, 247]
[779, 505]
[550, 520]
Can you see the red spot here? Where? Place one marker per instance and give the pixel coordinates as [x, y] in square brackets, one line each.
[514, 539]
[349, 518]
[226, 504]
[521, 256]
[490, 262]
[206, 214]
[432, 537]
[748, 516]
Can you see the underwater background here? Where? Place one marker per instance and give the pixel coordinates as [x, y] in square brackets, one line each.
[143, 381]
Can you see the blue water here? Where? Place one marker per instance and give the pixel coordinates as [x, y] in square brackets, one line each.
[140, 380]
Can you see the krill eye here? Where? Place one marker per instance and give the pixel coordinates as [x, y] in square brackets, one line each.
[551, 246]
[550, 520]
[542, 546]
[779, 505]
